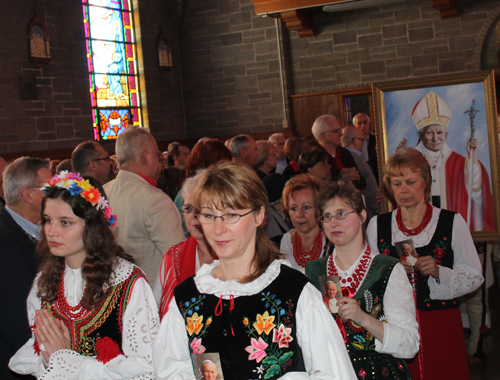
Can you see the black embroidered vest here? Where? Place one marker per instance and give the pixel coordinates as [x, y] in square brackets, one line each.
[439, 248]
[368, 364]
[257, 337]
[105, 320]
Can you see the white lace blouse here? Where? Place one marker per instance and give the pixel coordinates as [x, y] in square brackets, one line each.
[140, 326]
[323, 349]
[464, 278]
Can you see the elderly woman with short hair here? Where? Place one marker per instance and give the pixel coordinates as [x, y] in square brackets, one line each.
[447, 266]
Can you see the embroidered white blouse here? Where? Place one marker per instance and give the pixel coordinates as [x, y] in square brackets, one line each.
[286, 248]
[323, 349]
[140, 326]
[464, 278]
[401, 338]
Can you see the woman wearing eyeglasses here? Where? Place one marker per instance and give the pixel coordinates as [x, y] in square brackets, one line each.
[306, 242]
[183, 260]
[248, 309]
[376, 311]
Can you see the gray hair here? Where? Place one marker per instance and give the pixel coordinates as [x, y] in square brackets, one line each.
[360, 114]
[191, 182]
[274, 135]
[238, 142]
[263, 147]
[83, 154]
[19, 175]
[321, 125]
[131, 143]
[349, 133]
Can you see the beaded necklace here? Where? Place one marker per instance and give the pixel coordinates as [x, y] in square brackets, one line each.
[300, 255]
[351, 283]
[72, 312]
[415, 231]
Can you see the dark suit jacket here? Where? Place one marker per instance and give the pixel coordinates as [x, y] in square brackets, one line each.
[372, 155]
[348, 161]
[18, 268]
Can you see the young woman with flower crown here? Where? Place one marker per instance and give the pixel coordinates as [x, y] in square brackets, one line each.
[91, 309]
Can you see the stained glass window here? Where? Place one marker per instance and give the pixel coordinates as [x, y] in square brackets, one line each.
[112, 64]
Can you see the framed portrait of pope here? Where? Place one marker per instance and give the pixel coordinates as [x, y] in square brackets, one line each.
[452, 121]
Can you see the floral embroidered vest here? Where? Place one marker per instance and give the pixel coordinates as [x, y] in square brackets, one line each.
[257, 337]
[439, 248]
[105, 320]
[367, 363]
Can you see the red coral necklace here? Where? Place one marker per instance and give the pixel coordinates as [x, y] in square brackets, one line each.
[72, 312]
[351, 283]
[300, 255]
[415, 231]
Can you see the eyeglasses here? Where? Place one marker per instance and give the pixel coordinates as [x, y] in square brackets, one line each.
[103, 159]
[341, 215]
[230, 218]
[162, 159]
[39, 187]
[187, 209]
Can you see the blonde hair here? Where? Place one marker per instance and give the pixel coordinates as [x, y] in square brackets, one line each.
[232, 185]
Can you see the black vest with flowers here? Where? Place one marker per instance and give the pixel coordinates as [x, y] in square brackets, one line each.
[256, 337]
[439, 248]
[104, 320]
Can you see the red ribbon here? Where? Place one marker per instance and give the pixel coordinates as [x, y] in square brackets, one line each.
[341, 328]
[218, 309]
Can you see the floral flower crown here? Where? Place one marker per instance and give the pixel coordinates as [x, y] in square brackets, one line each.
[77, 186]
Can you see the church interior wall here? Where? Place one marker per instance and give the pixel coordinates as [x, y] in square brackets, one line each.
[226, 78]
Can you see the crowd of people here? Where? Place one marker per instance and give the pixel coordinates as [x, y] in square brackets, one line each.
[247, 259]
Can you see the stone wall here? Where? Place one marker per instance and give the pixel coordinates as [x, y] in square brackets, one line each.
[228, 58]
[408, 40]
[60, 117]
[230, 62]
[230, 69]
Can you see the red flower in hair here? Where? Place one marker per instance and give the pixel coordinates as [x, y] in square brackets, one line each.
[106, 349]
[439, 252]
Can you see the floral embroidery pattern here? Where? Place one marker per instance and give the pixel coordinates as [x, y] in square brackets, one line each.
[372, 307]
[383, 247]
[440, 250]
[270, 336]
[194, 323]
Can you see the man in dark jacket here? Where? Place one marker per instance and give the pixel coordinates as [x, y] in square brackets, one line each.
[19, 233]
[326, 129]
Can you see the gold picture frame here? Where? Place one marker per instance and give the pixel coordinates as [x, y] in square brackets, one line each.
[464, 95]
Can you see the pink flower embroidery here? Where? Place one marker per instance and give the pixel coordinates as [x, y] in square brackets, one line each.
[282, 335]
[256, 350]
[197, 347]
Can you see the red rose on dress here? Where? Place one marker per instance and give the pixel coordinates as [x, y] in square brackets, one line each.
[439, 252]
[386, 252]
[438, 262]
